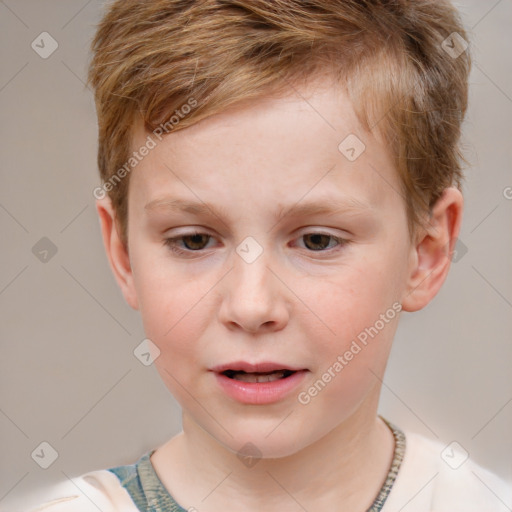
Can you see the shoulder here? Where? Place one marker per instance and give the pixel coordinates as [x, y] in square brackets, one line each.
[97, 490]
[443, 478]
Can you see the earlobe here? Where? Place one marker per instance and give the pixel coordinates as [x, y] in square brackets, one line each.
[431, 255]
[117, 253]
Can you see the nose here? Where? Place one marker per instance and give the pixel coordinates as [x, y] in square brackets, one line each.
[253, 298]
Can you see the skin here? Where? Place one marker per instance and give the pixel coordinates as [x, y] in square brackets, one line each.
[293, 304]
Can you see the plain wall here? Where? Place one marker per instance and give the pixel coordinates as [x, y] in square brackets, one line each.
[68, 375]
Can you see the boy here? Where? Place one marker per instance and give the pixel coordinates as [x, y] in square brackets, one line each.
[280, 180]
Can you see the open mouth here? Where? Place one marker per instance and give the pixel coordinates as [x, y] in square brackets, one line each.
[258, 376]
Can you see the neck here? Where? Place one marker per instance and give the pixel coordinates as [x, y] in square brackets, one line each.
[342, 471]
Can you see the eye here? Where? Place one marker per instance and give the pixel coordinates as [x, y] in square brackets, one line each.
[189, 243]
[319, 242]
[192, 242]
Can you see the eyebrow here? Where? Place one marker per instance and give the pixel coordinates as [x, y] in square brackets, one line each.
[326, 206]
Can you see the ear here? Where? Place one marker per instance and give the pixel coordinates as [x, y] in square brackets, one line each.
[432, 251]
[117, 253]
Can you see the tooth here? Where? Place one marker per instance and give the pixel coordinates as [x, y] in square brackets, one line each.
[252, 377]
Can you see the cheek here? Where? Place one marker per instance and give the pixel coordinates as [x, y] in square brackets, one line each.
[173, 320]
[359, 316]
[349, 364]
[351, 299]
[171, 307]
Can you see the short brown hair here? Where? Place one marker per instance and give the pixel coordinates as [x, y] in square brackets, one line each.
[391, 56]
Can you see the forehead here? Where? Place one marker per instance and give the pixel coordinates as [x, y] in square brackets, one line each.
[280, 147]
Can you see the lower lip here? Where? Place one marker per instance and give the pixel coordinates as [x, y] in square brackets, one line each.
[259, 393]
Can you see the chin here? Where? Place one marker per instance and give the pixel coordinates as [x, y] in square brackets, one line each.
[254, 440]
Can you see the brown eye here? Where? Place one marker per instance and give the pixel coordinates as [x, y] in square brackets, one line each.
[317, 241]
[187, 244]
[195, 242]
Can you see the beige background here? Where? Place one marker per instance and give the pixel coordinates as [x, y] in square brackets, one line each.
[68, 375]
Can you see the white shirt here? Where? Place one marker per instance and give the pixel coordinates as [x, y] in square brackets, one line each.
[426, 482]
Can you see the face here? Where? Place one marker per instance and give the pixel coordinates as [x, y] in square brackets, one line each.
[253, 237]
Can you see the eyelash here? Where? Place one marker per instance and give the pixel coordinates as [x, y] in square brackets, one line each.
[171, 243]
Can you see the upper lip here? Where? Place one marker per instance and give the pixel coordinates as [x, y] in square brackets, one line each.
[262, 367]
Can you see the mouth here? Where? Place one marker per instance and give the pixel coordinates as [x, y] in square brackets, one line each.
[258, 376]
[260, 383]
